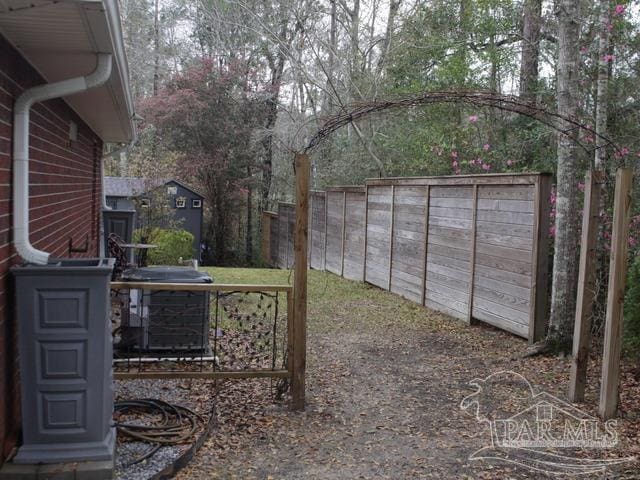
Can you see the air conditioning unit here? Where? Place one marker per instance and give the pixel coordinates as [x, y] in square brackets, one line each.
[164, 321]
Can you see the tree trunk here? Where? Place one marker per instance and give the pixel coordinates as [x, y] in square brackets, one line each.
[531, 27]
[463, 34]
[563, 292]
[394, 6]
[354, 43]
[156, 48]
[277, 69]
[602, 84]
[249, 235]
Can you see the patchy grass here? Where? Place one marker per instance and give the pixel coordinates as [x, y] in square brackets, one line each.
[335, 302]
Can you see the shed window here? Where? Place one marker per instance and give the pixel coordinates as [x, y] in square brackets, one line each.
[196, 203]
[172, 190]
[145, 202]
[181, 202]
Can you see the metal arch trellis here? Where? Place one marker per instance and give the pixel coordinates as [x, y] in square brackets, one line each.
[568, 126]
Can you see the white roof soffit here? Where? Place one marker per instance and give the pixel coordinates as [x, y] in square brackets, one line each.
[61, 39]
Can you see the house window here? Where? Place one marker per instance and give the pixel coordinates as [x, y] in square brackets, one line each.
[196, 203]
[145, 202]
[181, 202]
[172, 190]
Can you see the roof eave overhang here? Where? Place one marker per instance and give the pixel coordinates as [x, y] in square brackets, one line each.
[78, 30]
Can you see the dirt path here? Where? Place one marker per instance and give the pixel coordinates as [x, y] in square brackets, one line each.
[385, 383]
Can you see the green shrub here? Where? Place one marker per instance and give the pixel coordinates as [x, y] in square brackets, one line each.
[632, 309]
[172, 245]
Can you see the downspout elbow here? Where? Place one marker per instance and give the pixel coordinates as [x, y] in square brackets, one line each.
[22, 109]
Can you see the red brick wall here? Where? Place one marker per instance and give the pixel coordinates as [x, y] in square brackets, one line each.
[64, 204]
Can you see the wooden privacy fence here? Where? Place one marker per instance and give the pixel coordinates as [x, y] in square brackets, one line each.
[474, 246]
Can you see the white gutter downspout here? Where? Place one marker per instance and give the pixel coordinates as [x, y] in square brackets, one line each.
[22, 109]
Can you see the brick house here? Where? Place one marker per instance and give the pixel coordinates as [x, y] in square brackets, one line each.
[43, 42]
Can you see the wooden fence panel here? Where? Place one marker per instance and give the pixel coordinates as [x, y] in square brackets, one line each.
[353, 263]
[274, 240]
[317, 230]
[291, 234]
[378, 245]
[335, 223]
[449, 243]
[504, 249]
[409, 242]
[474, 247]
[286, 225]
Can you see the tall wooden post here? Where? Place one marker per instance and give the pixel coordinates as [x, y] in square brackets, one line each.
[303, 172]
[538, 308]
[586, 286]
[615, 295]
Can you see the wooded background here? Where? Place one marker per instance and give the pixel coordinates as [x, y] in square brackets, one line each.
[228, 89]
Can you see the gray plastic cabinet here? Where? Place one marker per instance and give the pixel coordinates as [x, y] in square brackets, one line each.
[65, 349]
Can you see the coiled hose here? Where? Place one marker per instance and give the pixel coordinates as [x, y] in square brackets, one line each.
[173, 424]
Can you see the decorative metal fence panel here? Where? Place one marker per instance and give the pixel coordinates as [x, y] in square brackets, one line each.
[176, 330]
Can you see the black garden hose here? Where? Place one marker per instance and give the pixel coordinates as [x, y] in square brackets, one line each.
[177, 424]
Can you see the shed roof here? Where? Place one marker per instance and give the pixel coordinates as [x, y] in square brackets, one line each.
[128, 186]
[61, 40]
[135, 186]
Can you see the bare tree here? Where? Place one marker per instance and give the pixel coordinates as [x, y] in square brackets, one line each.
[531, 29]
[602, 85]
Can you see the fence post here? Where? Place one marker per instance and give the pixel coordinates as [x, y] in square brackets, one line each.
[615, 295]
[286, 241]
[393, 201]
[266, 237]
[291, 314]
[280, 220]
[274, 245]
[427, 203]
[312, 202]
[366, 227]
[326, 220]
[472, 260]
[540, 259]
[303, 172]
[586, 286]
[344, 216]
